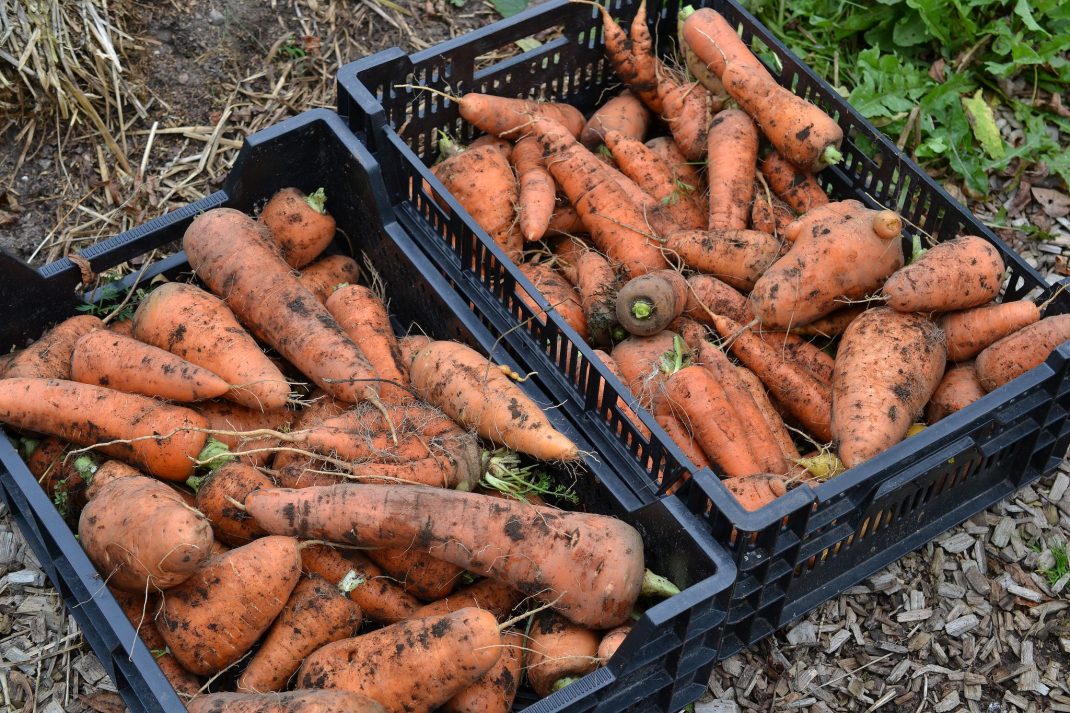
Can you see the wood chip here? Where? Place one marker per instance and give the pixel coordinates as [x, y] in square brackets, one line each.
[804, 634]
[719, 706]
[960, 626]
[959, 542]
[915, 615]
[947, 703]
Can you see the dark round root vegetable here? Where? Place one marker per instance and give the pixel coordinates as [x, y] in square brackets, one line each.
[647, 304]
[887, 367]
[141, 534]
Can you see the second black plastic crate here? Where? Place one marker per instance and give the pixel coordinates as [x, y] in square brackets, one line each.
[812, 543]
[665, 661]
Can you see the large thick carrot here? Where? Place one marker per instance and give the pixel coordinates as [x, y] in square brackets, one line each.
[887, 366]
[217, 494]
[482, 181]
[714, 420]
[799, 130]
[476, 394]
[842, 251]
[197, 326]
[379, 597]
[805, 398]
[509, 118]
[795, 186]
[218, 613]
[106, 472]
[232, 257]
[971, 330]
[413, 666]
[50, 356]
[316, 614]
[140, 610]
[589, 566]
[715, 42]
[560, 652]
[655, 177]
[163, 439]
[556, 290]
[289, 702]
[955, 274]
[1020, 351]
[708, 296]
[738, 257]
[299, 224]
[362, 315]
[322, 277]
[959, 388]
[732, 158]
[623, 113]
[802, 353]
[126, 364]
[647, 304]
[616, 226]
[140, 534]
[535, 203]
[495, 690]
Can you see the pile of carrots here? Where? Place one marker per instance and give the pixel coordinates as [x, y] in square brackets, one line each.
[282, 545]
[682, 230]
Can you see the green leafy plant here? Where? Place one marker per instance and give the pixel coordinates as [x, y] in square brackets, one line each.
[502, 472]
[930, 73]
[290, 50]
[111, 295]
[1061, 566]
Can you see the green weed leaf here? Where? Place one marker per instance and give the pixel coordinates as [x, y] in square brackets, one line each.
[508, 8]
[984, 126]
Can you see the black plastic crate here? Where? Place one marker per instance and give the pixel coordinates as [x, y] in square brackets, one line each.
[812, 543]
[663, 664]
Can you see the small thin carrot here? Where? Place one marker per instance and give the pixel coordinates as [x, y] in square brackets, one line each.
[537, 189]
[738, 257]
[708, 296]
[363, 316]
[969, 331]
[379, 596]
[795, 186]
[802, 353]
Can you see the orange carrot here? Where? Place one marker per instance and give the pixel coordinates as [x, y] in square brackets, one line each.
[196, 326]
[632, 70]
[596, 281]
[887, 367]
[216, 495]
[959, 388]
[362, 315]
[290, 702]
[495, 690]
[831, 325]
[639, 361]
[565, 220]
[508, 118]
[623, 113]
[1019, 351]
[738, 257]
[496, 597]
[123, 363]
[708, 296]
[234, 260]
[793, 348]
[772, 418]
[685, 174]
[686, 107]
[674, 422]
[955, 274]
[806, 398]
[50, 356]
[561, 295]
[970, 331]
[626, 407]
[315, 615]
[156, 436]
[478, 395]
[715, 41]
[418, 572]
[714, 420]
[770, 215]
[537, 189]
[800, 131]
[616, 226]
[732, 158]
[299, 224]
[654, 177]
[379, 597]
[322, 277]
[611, 641]
[226, 416]
[795, 186]
[560, 651]
[140, 609]
[482, 181]
[756, 491]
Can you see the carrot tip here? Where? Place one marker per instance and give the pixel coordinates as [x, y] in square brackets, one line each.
[654, 585]
[317, 200]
